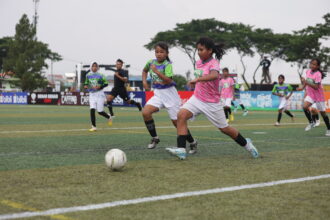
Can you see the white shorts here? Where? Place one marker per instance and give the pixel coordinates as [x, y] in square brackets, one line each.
[319, 105]
[213, 111]
[283, 103]
[166, 98]
[96, 100]
[226, 102]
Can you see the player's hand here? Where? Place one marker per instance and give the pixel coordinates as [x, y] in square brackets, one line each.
[303, 80]
[96, 87]
[146, 86]
[153, 67]
[192, 83]
[287, 97]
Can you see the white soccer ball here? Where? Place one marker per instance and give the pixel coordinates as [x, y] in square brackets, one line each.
[115, 159]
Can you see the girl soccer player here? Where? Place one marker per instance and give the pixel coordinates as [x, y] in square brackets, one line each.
[95, 82]
[227, 92]
[284, 91]
[206, 100]
[165, 93]
[314, 94]
[237, 99]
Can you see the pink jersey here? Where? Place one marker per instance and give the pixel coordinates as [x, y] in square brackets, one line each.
[316, 94]
[227, 90]
[207, 91]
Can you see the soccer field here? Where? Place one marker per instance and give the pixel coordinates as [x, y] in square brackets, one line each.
[49, 160]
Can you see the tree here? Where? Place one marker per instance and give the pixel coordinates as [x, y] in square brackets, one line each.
[184, 36]
[305, 44]
[4, 47]
[180, 81]
[27, 57]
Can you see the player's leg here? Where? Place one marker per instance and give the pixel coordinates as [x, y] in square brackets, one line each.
[124, 96]
[321, 107]
[217, 118]
[173, 113]
[100, 110]
[279, 116]
[307, 103]
[187, 111]
[151, 107]
[113, 94]
[315, 115]
[92, 106]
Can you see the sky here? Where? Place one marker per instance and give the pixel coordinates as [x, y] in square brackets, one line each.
[82, 31]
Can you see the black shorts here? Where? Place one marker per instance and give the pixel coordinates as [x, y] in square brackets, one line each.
[121, 91]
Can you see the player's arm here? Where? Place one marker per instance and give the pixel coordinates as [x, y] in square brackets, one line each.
[291, 92]
[104, 82]
[307, 83]
[163, 77]
[86, 83]
[144, 79]
[274, 92]
[124, 79]
[213, 75]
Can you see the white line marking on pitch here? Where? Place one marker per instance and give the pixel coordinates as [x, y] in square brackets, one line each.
[137, 128]
[157, 198]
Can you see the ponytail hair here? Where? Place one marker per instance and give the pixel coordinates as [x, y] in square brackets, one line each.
[319, 64]
[164, 46]
[217, 49]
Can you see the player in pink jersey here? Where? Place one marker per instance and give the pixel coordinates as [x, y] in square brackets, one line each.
[227, 92]
[314, 94]
[206, 100]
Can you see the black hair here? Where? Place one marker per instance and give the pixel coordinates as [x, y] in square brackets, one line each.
[281, 76]
[164, 46]
[319, 64]
[120, 61]
[225, 69]
[217, 49]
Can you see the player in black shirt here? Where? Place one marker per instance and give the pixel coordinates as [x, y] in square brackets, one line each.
[120, 78]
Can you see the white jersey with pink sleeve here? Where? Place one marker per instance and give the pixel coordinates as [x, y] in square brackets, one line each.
[316, 95]
[207, 91]
[227, 90]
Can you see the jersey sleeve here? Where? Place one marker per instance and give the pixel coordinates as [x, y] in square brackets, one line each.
[215, 66]
[318, 77]
[169, 70]
[274, 89]
[290, 89]
[86, 80]
[147, 66]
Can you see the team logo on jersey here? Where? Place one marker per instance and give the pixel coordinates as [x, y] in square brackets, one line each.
[198, 73]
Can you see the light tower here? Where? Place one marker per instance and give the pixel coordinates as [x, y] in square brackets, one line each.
[35, 17]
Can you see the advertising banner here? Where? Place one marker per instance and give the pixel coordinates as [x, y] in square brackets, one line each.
[45, 98]
[70, 98]
[14, 98]
[136, 96]
[327, 101]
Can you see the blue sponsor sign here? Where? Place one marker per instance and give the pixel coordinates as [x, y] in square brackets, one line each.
[14, 98]
[136, 96]
[263, 100]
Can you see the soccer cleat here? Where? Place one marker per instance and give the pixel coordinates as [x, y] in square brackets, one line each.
[193, 147]
[309, 126]
[92, 129]
[317, 123]
[178, 152]
[277, 123]
[231, 117]
[245, 112]
[153, 143]
[110, 120]
[292, 118]
[138, 104]
[249, 147]
[235, 109]
[227, 120]
[327, 133]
